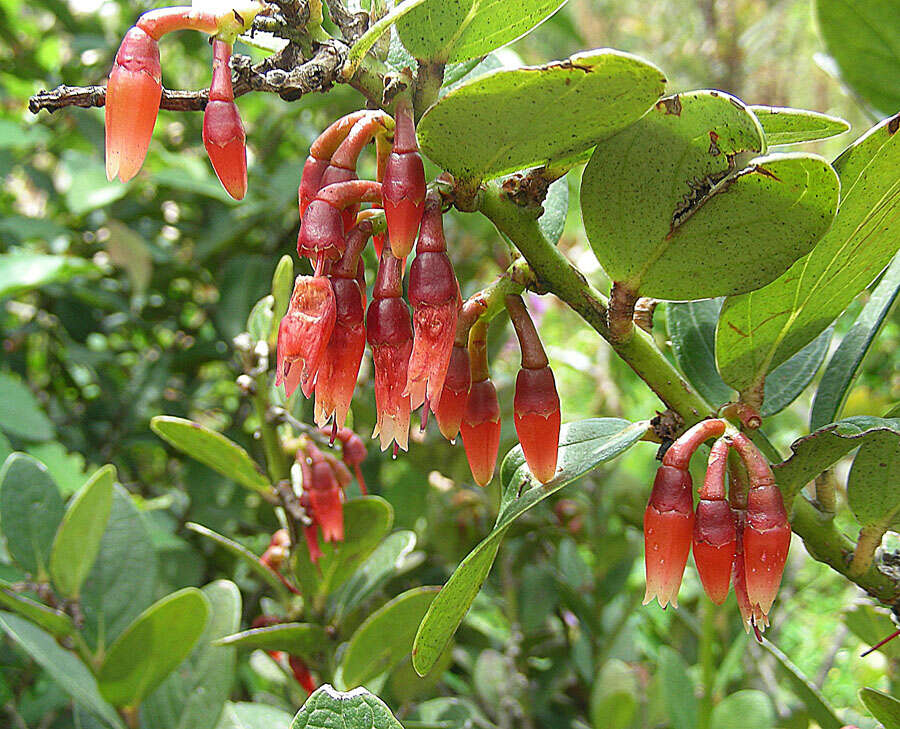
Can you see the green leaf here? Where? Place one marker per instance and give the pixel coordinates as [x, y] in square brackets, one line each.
[510, 119]
[57, 623]
[122, 581]
[883, 707]
[66, 468]
[152, 647]
[88, 188]
[305, 640]
[692, 330]
[385, 638]
[21, 415]
[357, 709]
[748, 709]
[821, 449]
[677, 689]
[671, 213]
[761, 329]
[20, 272]
[211, 449]
[30, 512]
[458, 30]
[614, 696]
[62, 666]
[844, 364]
[583, 446]
[783, 125]
[259, 323]
[194, 696]
[78, 537]
[367, 520]
[803, 689]
[861, 37]
[244, 715]
[871, 625]
[242, 553]
[449, 713]
[556, 208]
[129, 251]
[785, 383]
[872, 483]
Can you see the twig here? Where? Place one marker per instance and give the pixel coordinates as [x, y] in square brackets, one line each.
[352, 25]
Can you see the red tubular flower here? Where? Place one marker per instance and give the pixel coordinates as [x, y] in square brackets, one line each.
[302, 674]
[325, 497]
[277, 551]
[322, 228]
[714, 533]
[434, 295]
[404, 184]
[311, 530]
[320, 156]
[480, 426]
[353, 450]
[304, 333]
[390, 336]
[452, 405]
[536, 411]
[132, 104]
[767, 533]
[223, 133]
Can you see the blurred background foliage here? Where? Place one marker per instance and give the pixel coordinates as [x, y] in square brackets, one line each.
[133, 312]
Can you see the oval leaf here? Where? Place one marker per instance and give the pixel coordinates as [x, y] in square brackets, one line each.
[458, 30]
[883, 707]
[670, 215]
[872, 483]
[845, 362]
[385, 637]
[748, 709]
[57, 623]
[30, 511]
[356, 709]
[677, 689]
[152, 647]
[78, 538]
[583, 446]
[783, 125]
[300, 639]
[761, 329]
[510, 119]
[211, 449]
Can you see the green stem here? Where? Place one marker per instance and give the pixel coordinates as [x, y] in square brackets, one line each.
[368, 39]
[276, 459]
[869, 540]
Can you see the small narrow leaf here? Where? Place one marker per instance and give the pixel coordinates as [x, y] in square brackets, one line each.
[357, 709]
[57, 623]
[783, 125]
[78, 537]
[785, 383]
[692, 329]
[305, 640]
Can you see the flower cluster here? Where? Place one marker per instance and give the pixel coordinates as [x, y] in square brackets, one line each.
[741, 538]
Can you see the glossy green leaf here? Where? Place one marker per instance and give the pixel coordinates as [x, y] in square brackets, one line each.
[244, 715]
[748, 709]
[583, 446]
[195, 694]
[20, 272]
[871, 625]
[385, 637]
[692, 330]
[300, 639]
[821, 449]
[872, 483]
[78, 537]
[672, 214]
[677, 689]
[122, 581]
[883, 707]
[783, 125]
[510, 119]
[861, 37]
[57, 623]
[457, 30]
[844, 364]
[327, 708]
[30, 512]
[367, 520]
[61, 665]
[785, 383]
[761, 329]
[152, 647]
[211, 449]
[243, 554]
[21, 416]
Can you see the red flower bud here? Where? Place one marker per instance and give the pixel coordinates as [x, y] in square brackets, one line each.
[322, 227]
[302, 674]
[452, 405]
[132, 104]
[537, 417]
[353, 450]
[304, 333]
[480, 426]
[752, 615]
[714, 533]
[668, 526]
[277, 551]
[404, 184]
[223, 133]
[325, 497]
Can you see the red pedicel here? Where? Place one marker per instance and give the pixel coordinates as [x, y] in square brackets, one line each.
[325, 497]
[132, 104]
[311, 530]
[404, 184]
[480, 426]
[322, 228]
[353, 451]
[390, 336]
[452, 405]
[304, 332]
[434, 295]
[714, 533]
[668, 526]
[302, 674]
[223, 133]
